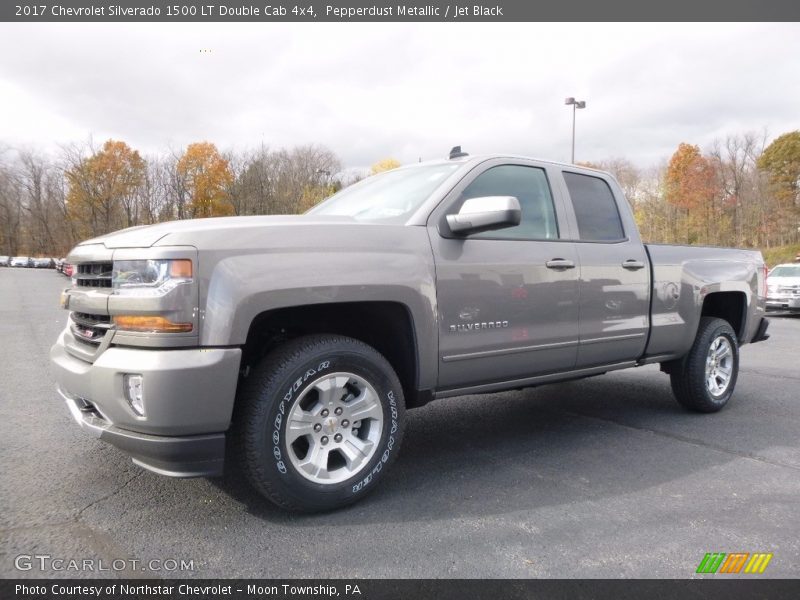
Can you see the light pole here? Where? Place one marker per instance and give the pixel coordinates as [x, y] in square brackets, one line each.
[575, 104]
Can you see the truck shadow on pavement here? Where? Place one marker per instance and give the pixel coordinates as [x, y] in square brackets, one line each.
[579, 441]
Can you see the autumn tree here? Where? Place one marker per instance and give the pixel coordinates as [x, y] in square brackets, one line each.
[387, 164]
[655, 216]
[102, 187]
[207, 177]
[284, 181]
[737, 192]
[691, 185]
[740, 188]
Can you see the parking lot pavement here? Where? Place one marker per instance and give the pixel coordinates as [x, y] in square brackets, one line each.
[604, 477]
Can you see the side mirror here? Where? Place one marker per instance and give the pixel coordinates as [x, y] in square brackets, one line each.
[485, 214]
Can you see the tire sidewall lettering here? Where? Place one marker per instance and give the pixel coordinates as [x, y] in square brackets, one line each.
[280, 422]
[361, 485]
[288, 397]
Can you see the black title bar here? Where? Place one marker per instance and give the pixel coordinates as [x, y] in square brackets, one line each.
[397, 589]
[267, 11]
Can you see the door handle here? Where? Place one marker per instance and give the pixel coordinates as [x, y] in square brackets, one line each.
[633, 265]
[560, 263]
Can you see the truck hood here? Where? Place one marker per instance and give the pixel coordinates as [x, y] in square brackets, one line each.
[186, 232]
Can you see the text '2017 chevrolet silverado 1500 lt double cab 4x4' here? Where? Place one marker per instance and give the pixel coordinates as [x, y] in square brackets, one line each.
[290, 347]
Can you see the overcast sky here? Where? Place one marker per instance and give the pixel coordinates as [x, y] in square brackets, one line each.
[371, 91]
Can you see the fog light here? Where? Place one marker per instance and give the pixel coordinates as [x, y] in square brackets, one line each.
[132, 384]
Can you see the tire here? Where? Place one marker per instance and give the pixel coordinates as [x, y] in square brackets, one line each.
[704, 379]
[325, 460]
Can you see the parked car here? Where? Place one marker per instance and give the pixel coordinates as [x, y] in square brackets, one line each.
[43, 263]
[783, 288]
[21, 261]
[302, 340]
[5, 261]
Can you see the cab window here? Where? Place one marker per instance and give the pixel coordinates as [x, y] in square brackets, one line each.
[595, 208]
[530, 186]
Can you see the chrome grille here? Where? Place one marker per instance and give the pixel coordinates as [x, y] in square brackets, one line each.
[95, 274]
[90, 328]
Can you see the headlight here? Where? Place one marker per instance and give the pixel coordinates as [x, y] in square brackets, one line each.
[149, 278]
[141, 300]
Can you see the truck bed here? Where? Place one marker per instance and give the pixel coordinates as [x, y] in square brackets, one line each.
[683, 276]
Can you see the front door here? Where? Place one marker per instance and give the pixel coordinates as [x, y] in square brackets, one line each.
[507, 299]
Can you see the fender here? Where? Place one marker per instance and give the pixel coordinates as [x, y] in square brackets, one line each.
[242, 286]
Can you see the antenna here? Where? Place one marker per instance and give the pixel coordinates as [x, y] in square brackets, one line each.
[457, 153]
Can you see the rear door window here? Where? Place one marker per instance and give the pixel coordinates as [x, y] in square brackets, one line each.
[595, 208]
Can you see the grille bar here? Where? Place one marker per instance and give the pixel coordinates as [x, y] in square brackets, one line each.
[95, 274]
[87, 320]
[90, 328]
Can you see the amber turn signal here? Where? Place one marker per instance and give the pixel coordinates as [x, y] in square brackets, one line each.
[180, 268]
[150, 324]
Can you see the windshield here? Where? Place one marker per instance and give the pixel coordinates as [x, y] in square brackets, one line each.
[786, 271]
[389, 197]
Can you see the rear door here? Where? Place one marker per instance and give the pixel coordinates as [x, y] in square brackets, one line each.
[614, 272]
[506, 309]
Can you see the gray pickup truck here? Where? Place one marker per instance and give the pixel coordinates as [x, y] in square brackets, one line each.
[290, 347]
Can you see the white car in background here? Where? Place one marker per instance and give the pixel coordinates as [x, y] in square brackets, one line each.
[783, 288]
[21, 261]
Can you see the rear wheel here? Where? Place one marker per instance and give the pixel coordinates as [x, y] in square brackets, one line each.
[318, 422]
[705, 378]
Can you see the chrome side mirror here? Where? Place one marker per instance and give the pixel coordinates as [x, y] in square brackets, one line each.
[485, 214]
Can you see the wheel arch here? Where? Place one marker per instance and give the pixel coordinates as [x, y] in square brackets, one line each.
[730, 306]
[386, 326]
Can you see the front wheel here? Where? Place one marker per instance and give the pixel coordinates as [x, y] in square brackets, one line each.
[704, 379]
[318, 422]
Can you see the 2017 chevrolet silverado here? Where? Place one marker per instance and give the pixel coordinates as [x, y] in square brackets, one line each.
[290, 347]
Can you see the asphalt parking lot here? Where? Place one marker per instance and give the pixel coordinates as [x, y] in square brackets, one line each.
[605, 477]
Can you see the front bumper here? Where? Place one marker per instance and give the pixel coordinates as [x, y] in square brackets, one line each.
[188, 402]
[184, 456]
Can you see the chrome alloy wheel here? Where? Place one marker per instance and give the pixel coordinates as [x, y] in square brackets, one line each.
[719, 366]
[334, 428]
